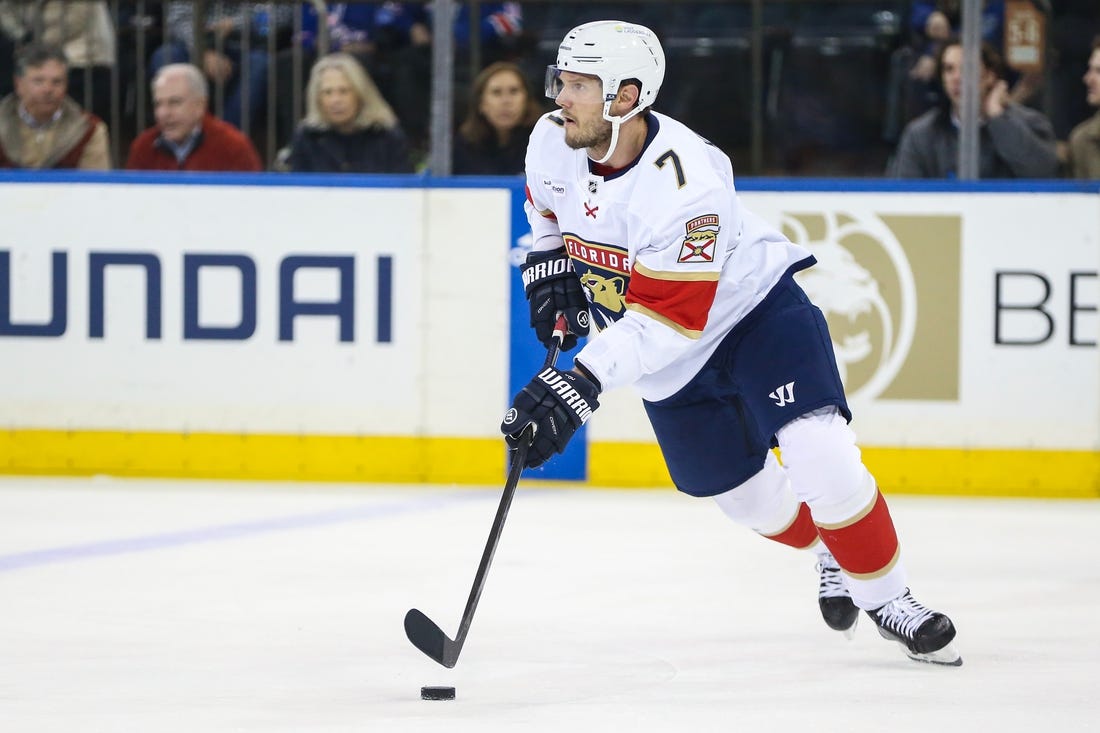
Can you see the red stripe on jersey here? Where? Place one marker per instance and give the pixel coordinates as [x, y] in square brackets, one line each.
[801, 533]
[549, 214]
[867, 545]
[686, 303]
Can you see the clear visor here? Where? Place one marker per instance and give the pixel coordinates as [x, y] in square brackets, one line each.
[554, 84]
[581, 87]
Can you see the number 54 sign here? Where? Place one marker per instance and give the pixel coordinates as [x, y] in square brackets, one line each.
[1025, 36]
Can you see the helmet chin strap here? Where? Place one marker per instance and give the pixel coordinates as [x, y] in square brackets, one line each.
[615, 121]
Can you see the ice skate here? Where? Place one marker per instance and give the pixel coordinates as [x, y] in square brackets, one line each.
[834, 599]
[924, 634]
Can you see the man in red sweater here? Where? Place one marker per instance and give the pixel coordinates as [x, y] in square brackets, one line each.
[186, 137]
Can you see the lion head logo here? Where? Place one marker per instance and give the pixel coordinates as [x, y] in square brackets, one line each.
[864, 285]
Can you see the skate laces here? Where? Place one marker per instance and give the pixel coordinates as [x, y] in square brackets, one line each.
[903, 615]
[832, 581]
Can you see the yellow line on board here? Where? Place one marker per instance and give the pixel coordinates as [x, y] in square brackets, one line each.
[933, 471]
[444, 460]
[273, 457]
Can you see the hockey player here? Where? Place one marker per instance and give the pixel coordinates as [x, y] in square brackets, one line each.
[637, 225]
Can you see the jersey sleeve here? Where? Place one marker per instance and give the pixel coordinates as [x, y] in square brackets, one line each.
[674, 277]
[631, 347]
[664, 289]
[539, 208]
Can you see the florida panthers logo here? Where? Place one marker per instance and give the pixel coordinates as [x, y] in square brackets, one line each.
[609, 293]
[700, 240]
[603, 270]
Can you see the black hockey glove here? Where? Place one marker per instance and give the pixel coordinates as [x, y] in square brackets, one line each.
[557, 404]
[552, 287]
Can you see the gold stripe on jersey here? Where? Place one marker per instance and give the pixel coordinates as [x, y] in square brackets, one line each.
[682, 299]
[677, 275]
[689, 333]
[545, 213]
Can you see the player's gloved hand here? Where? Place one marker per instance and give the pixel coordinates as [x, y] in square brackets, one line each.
[552, 287]
[557, 404]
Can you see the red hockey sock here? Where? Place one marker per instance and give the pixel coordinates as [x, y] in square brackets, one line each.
[800, 533]
[867, 543]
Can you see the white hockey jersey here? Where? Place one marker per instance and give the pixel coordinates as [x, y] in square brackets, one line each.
[668, 258]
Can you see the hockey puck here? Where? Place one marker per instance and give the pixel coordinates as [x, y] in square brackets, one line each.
[437, 693]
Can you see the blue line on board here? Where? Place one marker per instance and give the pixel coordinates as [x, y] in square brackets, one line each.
[376, 180]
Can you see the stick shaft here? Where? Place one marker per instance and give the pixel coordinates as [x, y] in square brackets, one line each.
[519, 459]
[424, 633]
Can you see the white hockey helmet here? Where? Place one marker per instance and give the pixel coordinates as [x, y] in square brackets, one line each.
[613, 51]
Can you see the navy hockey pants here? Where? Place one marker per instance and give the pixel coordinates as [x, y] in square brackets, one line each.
[775, 365]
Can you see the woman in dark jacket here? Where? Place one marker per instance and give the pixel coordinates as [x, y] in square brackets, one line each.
[492, 140]
[349, 127]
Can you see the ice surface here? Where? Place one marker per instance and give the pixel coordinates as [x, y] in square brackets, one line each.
[164, 606]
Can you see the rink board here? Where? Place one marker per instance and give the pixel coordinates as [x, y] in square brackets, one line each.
[372, 329]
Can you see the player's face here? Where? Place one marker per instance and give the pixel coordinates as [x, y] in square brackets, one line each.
[1092, 79]
[581, 102]
[42, 88]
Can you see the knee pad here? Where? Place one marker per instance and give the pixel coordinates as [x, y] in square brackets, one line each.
[764, 503]
[824, 466]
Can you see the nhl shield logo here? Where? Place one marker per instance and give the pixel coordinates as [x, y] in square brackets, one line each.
[593, 186]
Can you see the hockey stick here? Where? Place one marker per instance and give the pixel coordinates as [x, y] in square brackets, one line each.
[424, 633]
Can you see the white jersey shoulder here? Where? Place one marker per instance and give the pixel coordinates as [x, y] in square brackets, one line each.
[683, 187]
[669, 259]
[679, 159]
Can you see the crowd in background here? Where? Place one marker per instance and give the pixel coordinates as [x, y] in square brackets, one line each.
[852, 88]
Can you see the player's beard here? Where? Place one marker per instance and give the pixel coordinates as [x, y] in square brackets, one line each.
[595, 134]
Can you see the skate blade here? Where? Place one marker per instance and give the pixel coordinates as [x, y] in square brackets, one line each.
[947, 656]
[850, 632]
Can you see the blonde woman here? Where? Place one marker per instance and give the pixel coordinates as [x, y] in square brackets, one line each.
[349, 127]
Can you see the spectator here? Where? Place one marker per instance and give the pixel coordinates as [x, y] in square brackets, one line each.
[349, 127]
[1015, 141]
[493, 138]
[83, 31]
[228, 25]
[935, 23]
[378, 35]
[392, 40]
[932, 25]
[1084, 141]
[186, 136]
[40, 127]
[500, 32]
[1072, 28]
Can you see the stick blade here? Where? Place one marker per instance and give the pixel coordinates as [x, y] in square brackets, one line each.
[426, 636]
